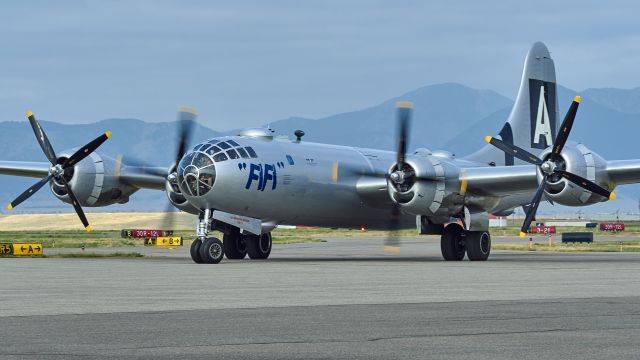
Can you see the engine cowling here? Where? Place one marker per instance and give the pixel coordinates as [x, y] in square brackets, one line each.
[431, 195]
[577, 159]
[93, 182]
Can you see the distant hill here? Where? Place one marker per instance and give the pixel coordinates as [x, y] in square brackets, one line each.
[441, 112]
[446, 116]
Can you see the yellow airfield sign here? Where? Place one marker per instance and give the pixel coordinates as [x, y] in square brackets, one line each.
[164, 241]
[21, 249]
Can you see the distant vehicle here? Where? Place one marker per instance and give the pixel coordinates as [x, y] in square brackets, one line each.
[246, 185]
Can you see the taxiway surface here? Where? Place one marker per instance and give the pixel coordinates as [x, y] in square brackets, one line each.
[340, 299]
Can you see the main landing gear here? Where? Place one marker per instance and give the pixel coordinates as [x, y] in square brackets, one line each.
[455, 241]
[235, 245]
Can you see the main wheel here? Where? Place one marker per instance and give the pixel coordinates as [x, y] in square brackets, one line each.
[258, 247]
[478, 245]
[451, 243]
[235, 246]
[212, 251]
[195, 251]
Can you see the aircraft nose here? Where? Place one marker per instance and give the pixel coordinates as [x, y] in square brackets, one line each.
[196, 174]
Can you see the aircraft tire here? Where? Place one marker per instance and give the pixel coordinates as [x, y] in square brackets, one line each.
[235, 245]
[451, 246]
[195, 251]
[212, 251]
[259, 247]
[478, 245]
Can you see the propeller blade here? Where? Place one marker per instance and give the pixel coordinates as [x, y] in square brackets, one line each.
[30, 191]
[565, 128]
[586, 184]
[86, 150]
[514, 150]
[42, 139]
[404, 123]
[76, 204]
[186, 119]
[531, 211]
[392, 242]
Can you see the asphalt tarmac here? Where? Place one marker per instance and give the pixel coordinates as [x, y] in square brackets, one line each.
[341, 299]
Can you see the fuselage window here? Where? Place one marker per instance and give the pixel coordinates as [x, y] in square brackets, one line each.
[232, 154]
[233, 143]
[251, 152]
[243, 153]
[224, 145]
[290, 160]
[219, 157]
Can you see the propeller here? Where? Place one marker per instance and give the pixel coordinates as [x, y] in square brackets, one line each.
[58, 169]
[401, 175]
[186, 123]
[550, 167]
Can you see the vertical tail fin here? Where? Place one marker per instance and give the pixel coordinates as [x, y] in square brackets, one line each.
[533, 119]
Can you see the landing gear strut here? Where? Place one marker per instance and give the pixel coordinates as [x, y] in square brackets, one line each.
[455, 241]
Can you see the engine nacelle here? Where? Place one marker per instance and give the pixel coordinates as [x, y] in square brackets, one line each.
[432, 195]
[93, 181]
[579, 160]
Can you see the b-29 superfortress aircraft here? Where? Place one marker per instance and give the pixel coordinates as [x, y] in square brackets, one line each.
[246, 185]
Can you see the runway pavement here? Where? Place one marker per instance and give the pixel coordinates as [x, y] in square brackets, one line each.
[340, 299]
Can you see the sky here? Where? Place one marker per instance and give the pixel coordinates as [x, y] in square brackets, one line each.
[247, 63]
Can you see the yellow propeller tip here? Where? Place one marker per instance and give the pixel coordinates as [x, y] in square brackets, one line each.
[488, 138]
[522, 235]
[9, 206]
[404, 104]
[612, 196]
[108, 133]
[189, 109]
[392, 249]
[88, 228]
[29, 113]
[577, 99]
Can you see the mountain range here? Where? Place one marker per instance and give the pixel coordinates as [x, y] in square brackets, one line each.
[447, 116]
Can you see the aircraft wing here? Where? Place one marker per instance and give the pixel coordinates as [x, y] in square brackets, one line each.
[508, 180]
[24, 168]
[624, 171]
[498, 181]
[141, 177]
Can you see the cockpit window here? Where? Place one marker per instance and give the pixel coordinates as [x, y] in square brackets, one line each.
[220, 157]
[186, 160]
[201, 160]
[232, 154]
[224, 145]
[232, 143]
[243, 153]
[196, 174]
[251, 152]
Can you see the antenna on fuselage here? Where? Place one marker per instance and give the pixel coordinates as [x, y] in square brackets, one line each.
[299, 134]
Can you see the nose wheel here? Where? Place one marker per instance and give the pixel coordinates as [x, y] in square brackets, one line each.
[211, 251]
